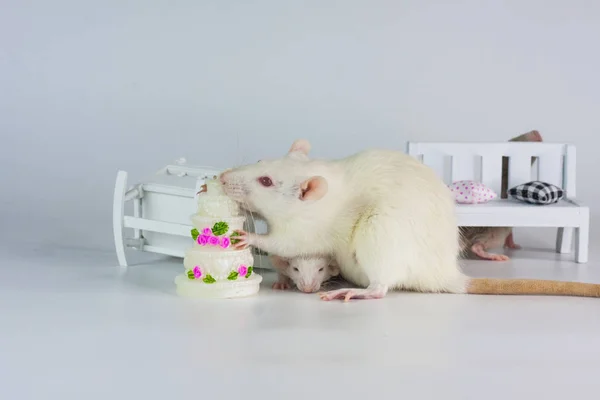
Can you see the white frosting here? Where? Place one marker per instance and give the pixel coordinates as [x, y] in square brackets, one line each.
[214, 203]
[235, 223]
[214, 188]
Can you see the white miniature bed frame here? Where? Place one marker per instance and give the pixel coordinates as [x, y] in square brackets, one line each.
[555, 164]
[161, 210]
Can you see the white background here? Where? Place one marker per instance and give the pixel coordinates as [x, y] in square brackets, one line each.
[90, 87]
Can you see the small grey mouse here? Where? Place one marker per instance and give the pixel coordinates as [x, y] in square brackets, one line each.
[308, 273]
[388, 220]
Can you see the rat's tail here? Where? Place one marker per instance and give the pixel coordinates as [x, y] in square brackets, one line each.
[532, 287]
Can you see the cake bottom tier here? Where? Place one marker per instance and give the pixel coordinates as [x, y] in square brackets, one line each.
[210, 265]
[221, 289]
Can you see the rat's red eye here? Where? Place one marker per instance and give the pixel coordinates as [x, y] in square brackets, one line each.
[265, 181]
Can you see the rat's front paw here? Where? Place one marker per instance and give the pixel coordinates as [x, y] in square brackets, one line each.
[243, 240]
[372, 292]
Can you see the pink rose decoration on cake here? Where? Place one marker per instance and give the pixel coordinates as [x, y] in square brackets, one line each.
[471, 192]
[213, 240]
[225, 242]
[197, 272]
[242, 270]
[207, 231]
[202, 240]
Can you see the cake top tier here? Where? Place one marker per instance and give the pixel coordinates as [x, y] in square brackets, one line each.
[212, 201]
[213, 188]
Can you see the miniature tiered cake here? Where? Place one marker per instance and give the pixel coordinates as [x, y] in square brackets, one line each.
[213, 269]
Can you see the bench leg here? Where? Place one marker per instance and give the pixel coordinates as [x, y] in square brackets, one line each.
[582, 239]
[118, 213]
[564, 240]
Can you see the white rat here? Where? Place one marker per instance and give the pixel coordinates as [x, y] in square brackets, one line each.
[388, 220]
[307, 272]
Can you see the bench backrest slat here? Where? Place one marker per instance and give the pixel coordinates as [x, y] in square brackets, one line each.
[491, 171]
[452, 161]
[549, 170]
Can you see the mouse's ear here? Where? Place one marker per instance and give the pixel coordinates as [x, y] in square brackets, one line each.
[279, 263]
[300, 147]
[313, 188]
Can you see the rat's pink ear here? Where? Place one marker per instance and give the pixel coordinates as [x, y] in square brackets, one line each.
[300, 146]
[313, 188]
[279, 263]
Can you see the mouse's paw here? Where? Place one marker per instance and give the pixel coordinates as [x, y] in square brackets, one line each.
[281, 286]
[372, 292]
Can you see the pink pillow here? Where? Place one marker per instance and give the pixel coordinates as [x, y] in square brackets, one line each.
[471, 192]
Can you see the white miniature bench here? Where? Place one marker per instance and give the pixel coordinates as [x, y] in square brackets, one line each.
[162, 206]
[482, 162]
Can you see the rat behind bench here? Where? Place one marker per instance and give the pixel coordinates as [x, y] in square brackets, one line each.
[387, 219]
[478, 240]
